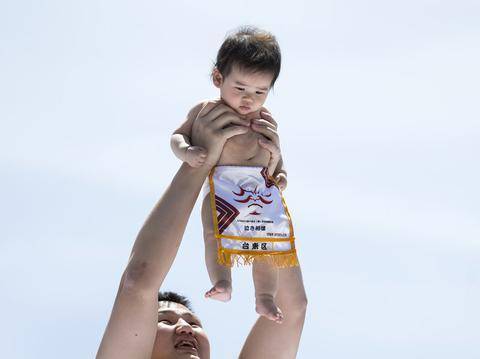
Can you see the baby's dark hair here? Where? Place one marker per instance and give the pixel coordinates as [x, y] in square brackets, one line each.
[251, 49]
[174, 297]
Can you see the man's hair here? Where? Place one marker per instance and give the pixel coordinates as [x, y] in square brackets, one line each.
[251, 49]
[174, 297]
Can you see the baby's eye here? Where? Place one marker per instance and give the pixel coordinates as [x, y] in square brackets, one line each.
[239, 88]
[165, 321]
[260, 93]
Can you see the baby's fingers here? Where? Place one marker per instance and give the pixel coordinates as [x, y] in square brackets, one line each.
[198, 151]
[202, 152]
[281, 181]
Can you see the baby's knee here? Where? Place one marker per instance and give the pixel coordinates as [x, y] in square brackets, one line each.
[301, 302]
[208, 232]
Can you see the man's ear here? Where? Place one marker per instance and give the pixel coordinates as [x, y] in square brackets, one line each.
[217, 77]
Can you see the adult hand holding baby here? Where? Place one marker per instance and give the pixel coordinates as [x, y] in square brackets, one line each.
[267, 126]
[214, 125]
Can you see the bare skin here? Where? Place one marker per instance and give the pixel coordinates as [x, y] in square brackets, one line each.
[133, 326]
[267, 339]
[241, 150]
[244, 93]
[222, 291]
[244, 150]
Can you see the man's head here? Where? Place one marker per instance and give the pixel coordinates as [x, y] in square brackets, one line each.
[179, 331]
[247, 66]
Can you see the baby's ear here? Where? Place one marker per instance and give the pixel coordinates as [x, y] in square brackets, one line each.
[217, 77]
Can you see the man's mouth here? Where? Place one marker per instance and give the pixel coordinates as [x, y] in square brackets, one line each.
[187, 345]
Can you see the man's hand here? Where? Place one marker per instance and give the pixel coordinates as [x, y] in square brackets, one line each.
[214, 125]
[267, 126]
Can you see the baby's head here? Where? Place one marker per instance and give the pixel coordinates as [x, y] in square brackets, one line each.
[247, 66]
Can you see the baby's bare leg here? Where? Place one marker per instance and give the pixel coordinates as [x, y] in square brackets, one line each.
[265, 278]
[220, 276]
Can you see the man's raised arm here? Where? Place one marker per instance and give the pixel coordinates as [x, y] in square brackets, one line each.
[268, 339]
[131, 330]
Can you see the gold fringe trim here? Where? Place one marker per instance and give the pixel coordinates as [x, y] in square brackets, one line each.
[279, 260]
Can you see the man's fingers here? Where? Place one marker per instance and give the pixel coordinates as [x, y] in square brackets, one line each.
[268, 117]
[269, 146]
[267, 131]
[226, 119]
[274, 153]
[233, 131]
[214, 112]
[264, 123]
[220, 116]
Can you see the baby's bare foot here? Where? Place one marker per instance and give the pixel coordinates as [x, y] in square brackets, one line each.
[222, 291]
[264, 305]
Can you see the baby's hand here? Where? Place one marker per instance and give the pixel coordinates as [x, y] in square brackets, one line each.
[281, 180]
[196, 156]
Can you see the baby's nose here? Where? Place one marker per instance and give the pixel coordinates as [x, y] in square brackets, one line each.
[247, 98]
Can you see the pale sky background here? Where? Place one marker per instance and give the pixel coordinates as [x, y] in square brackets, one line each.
[379, 118]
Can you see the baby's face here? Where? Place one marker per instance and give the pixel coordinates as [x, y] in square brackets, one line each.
[243, 91]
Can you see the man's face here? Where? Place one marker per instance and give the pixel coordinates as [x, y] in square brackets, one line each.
[179, 334]
[243, 91]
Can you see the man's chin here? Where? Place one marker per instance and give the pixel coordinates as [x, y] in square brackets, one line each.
[187, 353]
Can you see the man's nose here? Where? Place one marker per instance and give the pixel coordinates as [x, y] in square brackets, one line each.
[183, 327]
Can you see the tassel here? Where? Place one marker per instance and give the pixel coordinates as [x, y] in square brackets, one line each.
[280, 260]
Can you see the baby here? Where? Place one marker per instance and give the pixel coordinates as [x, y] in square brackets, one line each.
[245, 219]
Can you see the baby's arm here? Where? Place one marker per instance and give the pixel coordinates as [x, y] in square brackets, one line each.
[180, 141]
